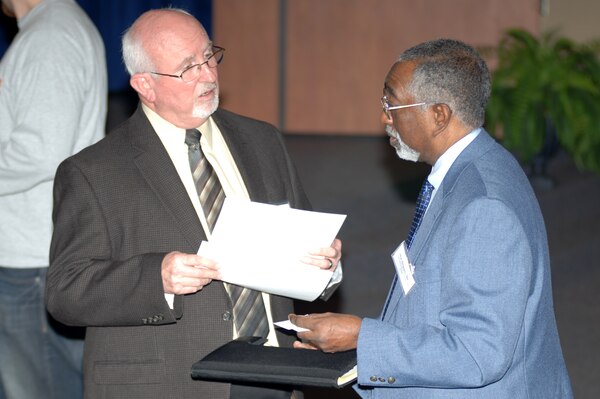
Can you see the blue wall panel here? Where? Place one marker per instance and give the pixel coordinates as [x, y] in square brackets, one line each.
[112, 17]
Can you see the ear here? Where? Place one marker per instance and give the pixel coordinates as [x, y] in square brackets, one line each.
[442, 114]
[143, 84]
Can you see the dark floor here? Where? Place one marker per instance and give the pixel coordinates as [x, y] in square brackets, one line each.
[361, 177]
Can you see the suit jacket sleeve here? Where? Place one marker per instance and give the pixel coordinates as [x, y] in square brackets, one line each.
[84, 271]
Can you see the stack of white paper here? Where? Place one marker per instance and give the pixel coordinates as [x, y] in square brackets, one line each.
[259, 246]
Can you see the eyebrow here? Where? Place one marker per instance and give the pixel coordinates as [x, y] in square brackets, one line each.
[187, 61]
[387, 89]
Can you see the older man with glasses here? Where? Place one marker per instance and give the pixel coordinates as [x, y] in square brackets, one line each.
[469, 313]
[132, 211]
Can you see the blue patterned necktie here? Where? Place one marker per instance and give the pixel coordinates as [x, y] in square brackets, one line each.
[249, 312]
[422, 204]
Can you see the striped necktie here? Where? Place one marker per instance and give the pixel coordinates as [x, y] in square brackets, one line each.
[208, 186]
[249, 312]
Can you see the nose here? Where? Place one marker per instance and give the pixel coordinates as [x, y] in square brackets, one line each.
[208, 74]
[383, 118]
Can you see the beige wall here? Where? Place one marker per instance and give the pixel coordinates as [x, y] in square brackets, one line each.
[248, 75]
[576, 19]
[337, 53]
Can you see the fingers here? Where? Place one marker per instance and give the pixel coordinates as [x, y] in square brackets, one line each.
[304, 345]
[309, 322]
[325, 258]
[319, 261]
[187, 273]
[294, 319]
[313, 338]
[305, 337]
[297, 320]
[329, 332]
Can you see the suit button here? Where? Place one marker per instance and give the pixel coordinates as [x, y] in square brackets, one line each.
[373, 379]
[145, 321]
[381, 379]
[391, 380]
[226, 315]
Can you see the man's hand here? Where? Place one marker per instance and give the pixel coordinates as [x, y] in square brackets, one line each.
[329, 332]
[325, 258]
[187, 273]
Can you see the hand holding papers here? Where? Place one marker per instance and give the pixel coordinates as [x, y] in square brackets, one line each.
[260, 246]
[288, 325]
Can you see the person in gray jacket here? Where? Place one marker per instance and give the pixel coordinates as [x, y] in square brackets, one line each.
[53, 100]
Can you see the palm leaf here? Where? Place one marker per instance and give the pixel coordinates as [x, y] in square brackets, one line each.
[544, 80]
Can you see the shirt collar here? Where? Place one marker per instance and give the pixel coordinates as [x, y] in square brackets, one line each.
[173, 136]
[443, 164]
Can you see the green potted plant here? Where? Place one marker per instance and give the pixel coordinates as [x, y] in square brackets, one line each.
[546, 90]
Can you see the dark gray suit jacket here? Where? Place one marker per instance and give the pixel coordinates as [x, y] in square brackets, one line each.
[119, 207]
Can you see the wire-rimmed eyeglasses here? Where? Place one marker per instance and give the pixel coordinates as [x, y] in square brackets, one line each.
[387, 107]
[192, 72]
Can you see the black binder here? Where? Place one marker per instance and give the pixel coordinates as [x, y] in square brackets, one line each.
[246, 360]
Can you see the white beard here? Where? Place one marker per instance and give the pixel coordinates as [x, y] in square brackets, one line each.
[203, 111]
[402, 149]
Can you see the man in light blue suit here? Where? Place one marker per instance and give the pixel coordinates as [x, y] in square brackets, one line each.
[470, 312]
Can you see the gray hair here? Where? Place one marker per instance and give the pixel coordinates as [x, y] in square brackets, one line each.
[450, 72]
[134, 54]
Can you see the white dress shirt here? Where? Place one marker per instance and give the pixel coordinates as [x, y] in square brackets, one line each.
[443, 164]
[217, 153]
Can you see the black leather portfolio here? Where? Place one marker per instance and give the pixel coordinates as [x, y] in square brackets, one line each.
[246, 360]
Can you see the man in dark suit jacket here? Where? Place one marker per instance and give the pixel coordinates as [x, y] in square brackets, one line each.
[128, 223]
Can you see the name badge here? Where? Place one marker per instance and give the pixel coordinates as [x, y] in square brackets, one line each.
[404, 268]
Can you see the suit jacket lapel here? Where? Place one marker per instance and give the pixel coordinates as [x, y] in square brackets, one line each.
[429, 220]
[474, 150]
[158, 170]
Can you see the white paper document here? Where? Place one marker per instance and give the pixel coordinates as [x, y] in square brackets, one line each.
[259, 246]
[288, 325]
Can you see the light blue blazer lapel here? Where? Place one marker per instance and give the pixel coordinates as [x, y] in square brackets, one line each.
[474, 150]
[481, 144]
[427, 224]
[420, 237]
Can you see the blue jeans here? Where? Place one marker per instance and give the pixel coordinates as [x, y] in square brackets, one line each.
[38, 357]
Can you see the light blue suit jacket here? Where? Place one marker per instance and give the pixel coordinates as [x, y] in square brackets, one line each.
[479, 322]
